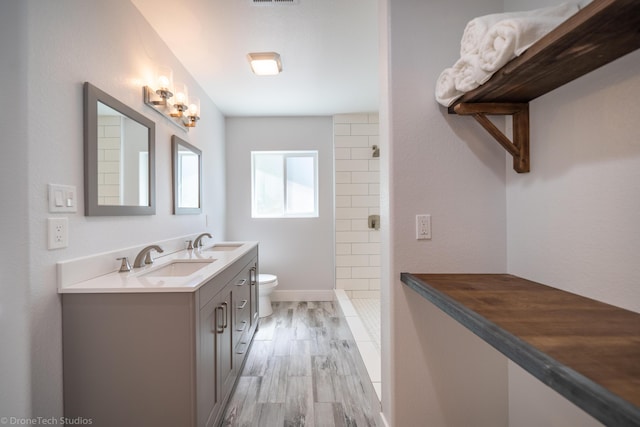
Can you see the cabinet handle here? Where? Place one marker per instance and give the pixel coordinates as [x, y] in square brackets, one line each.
[241, 348]
[244, 324]
[244, 304]
[224, 306]
[252, 275]
[241, 282]
[219, 324]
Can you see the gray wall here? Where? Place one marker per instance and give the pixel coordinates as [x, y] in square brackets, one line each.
[298, 250]
[110, 45]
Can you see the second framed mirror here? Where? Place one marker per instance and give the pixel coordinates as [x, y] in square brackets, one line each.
[187, 177]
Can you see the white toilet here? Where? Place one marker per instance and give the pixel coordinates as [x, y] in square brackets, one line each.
[266, 284]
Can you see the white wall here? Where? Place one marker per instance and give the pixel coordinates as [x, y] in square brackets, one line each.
[298, 250]
[110, 45]
[357, 177]
[15, 387]
[434, 371]
[573, 221]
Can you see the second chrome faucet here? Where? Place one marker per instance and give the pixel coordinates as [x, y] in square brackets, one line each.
[144, 257]
[197, 243]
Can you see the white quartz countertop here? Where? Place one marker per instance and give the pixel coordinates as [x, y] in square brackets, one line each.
[139, 280]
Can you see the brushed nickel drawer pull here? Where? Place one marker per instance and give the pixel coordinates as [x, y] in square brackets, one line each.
[241, 348]
[219, 323]
[241, 282]
[244, 324]
[243, 305]
[225, 305]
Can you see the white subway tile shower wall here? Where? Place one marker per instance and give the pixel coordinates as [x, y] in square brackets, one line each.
[357, 180]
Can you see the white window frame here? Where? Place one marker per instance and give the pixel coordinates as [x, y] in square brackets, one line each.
[286, 154]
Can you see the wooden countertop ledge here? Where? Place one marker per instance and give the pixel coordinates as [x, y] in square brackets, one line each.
[586, 350]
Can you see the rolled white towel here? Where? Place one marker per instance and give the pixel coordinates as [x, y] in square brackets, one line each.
[477, 28]
[469, 75]
[446, 92]
[511, 37]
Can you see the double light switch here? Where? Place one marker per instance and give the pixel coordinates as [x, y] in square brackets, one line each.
[62, 198]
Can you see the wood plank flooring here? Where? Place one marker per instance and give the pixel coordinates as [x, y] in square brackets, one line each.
[303, 369]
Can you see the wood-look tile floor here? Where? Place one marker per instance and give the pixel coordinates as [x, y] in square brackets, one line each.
[303, 369]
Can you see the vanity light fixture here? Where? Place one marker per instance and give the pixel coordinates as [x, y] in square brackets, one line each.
[172, 100]
[193, 112]
[180, 101]
[265, 63]
[164, 85]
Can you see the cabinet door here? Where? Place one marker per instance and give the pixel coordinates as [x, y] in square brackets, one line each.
[208, 397]
[215, 372]
[226, 372]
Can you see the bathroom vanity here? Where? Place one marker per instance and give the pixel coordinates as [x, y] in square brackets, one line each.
[162, 346]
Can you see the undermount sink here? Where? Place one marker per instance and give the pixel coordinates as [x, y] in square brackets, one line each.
[178, 268]
[224, 247]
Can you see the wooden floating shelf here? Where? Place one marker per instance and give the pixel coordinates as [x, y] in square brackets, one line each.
[586, 350]
[601, 32]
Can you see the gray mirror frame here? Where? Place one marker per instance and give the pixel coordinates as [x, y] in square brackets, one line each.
[93, 95]
[177, 210]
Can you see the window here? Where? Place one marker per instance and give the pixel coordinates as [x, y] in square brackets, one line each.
[284, 184]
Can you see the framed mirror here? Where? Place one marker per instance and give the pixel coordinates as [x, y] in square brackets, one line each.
[187, 177]
[119, 157]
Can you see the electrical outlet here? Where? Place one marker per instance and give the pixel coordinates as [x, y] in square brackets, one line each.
[58, 233]
[423, 227]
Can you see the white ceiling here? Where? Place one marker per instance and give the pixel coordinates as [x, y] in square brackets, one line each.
[329, 51]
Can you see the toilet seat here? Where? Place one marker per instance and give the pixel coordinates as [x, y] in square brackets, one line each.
[266, 279]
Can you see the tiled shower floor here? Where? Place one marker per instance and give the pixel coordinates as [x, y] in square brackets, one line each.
[360, 322]
[369, 311]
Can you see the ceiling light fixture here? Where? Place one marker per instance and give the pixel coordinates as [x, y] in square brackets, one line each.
[265, 63]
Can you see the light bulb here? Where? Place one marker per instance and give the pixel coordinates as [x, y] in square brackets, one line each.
[194, 107]
[164, 82]
[181, 95]
[164, 79]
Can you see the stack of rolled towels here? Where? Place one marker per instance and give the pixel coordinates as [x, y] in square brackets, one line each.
[489, 42]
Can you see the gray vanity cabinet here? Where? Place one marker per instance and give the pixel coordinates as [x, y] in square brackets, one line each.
[157, 358]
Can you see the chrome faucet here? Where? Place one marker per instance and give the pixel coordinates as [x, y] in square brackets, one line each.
[197, 243]
[144, 257]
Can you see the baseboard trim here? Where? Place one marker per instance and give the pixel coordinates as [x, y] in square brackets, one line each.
[298, 295]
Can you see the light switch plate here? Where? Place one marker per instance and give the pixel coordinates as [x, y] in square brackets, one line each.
[62, 198]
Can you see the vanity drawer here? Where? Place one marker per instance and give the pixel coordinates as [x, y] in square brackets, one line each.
[241, 349]
[228, 276]
[241, 306]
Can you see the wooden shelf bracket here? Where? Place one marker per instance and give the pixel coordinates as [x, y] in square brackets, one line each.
[519, 147]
